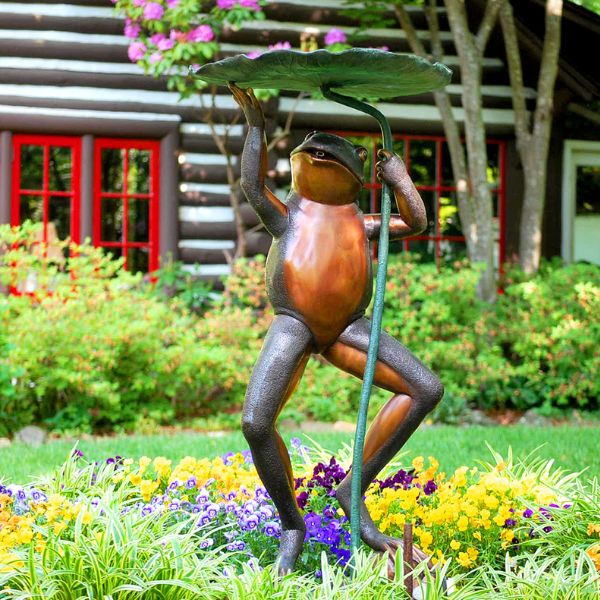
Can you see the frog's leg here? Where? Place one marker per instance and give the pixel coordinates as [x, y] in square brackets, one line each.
[416, 392]
[276, 374]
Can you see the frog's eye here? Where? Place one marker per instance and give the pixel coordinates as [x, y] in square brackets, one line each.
[363, 153]
[310, 135]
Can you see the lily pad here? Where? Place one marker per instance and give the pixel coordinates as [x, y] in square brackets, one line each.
[362, 72]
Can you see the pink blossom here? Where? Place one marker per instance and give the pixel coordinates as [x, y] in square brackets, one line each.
[225, 4]
[139, 3]
[172, 3]
[254, 54]
[280, 46]
[252, 4]
[165, 44]
[178, 36]
[153, 11]
[136, 51]
[156, 38]
[155, 57]
[202, 33]
[335, 36]
[132, 29]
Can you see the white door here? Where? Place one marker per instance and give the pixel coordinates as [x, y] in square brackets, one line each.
[581, 201]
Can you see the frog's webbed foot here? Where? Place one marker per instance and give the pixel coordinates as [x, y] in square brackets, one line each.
[290, 546]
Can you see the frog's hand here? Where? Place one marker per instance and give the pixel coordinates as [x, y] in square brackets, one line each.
[271, 211]
[412, 219]
[398, 227]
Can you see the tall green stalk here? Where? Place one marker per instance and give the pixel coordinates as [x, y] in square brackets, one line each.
[382, 260]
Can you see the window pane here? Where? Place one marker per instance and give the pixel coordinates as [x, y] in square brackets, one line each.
[364, 201]
[447, 174]
[449, 217]
[430, 208]
[493, 165]
[588, 190]
[423, 162]
[112, 220]
[32, 208]
[424, 248]
[452, 251]
[59, 212]
[399, 148]
[138, 227]
[138, 180]
[60, 165]
[137, 260]
[32, 167]
[112, 169]
[114, 252]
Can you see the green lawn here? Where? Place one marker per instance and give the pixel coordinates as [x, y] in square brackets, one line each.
[573, 448]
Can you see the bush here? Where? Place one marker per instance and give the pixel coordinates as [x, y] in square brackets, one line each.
[95, 348]
[92, 349]
[536, 346]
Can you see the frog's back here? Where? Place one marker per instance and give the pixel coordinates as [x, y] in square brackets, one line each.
[319, 271]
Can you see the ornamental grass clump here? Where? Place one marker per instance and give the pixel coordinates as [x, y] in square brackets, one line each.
[206, 528]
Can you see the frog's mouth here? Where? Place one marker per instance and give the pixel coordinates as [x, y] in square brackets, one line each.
[317, 154]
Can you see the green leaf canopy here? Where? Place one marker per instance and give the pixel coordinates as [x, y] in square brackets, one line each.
[362, 72]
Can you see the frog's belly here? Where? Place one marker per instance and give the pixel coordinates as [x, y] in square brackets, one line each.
[326, 271]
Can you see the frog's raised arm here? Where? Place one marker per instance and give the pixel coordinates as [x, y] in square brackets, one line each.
[271, 211]
[412, 219]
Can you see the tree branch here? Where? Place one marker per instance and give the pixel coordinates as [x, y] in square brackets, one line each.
[487, 23]
[437, 50]
[548, 67]
[409, 29]
[515, 73]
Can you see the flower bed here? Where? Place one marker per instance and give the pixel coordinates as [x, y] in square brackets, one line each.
[148, 517]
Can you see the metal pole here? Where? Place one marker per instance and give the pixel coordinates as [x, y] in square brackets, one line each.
[382, 259]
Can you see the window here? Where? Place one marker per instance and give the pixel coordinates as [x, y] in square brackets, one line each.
[46, 184]
[428, 161]
[126, 189]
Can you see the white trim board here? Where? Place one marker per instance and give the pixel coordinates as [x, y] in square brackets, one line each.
[208, 270]
[58, 10]
[92, 94]
[404, 112]
[206, 214]
[9, 109]
[207, 244]
[571, 150]
[221, 189]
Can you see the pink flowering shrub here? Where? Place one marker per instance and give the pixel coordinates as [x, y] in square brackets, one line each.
[167, 37]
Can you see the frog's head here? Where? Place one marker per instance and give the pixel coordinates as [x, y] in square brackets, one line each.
[328, 169]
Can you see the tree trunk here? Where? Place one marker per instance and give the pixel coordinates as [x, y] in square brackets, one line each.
[470, 51]
[533, 143]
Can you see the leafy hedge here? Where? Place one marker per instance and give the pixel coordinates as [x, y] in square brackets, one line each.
[94, 348]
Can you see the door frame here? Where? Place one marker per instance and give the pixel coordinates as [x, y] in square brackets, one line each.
[575, 153]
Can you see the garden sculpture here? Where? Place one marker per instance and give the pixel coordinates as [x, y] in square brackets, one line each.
[319, 279]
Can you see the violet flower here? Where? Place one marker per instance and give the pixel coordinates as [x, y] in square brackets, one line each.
[153, 11]
[335, 36]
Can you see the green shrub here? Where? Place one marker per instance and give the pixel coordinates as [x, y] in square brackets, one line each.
[91, 348]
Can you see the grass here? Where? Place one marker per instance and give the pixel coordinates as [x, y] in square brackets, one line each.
[573, 448]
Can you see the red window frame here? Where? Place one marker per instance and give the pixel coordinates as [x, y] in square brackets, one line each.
[74, 194]
[153, 197]
[438, 188]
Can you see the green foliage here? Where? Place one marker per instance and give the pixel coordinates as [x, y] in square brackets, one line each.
[173, 281]
[97, 350]
[177, 36]
[536, 346]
